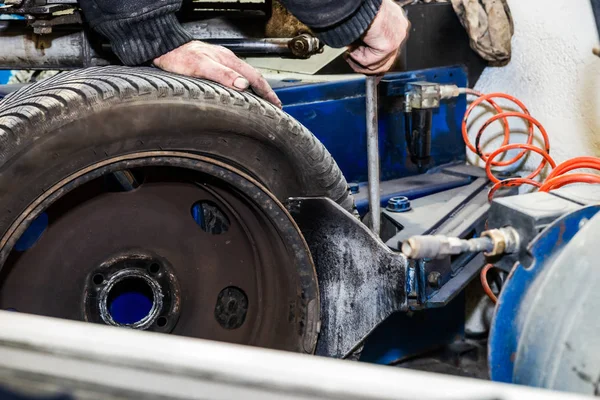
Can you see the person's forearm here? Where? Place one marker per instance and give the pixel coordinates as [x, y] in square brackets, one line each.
[138, 30]
[338, 23]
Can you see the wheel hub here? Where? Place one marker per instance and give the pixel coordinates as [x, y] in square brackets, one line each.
[201, 251]
[134, 289]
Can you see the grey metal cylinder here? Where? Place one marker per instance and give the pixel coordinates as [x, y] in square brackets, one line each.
[545, 329]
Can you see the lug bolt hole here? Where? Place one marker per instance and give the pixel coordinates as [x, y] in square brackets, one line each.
[154, 268]
[161, 321]
[98, 279]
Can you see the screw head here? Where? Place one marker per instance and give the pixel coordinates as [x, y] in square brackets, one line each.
[399, 204]
[434, 279]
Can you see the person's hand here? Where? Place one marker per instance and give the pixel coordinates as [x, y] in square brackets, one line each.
[218, 64]
[381, 42]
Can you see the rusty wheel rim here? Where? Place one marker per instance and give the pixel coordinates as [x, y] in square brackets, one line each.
[214, 253]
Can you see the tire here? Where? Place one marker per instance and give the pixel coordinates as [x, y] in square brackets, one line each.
[62, 124]
[72, 122]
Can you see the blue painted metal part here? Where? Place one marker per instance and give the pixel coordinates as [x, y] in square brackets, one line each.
[506, 328]
[402, 336]
[399, 204]
[335, 113]
[412, 187]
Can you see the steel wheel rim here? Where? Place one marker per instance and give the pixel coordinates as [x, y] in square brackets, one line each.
[307, 291]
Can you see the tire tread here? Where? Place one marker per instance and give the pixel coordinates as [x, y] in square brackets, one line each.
[82, 92]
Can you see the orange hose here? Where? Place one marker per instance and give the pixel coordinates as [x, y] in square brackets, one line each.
[484, 282]
[511, 182]
[551, 181]
[560, 181]
[530, 147]
[488, 97]
[575, 163]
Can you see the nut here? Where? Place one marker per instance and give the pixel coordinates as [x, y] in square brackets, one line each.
[505, 241]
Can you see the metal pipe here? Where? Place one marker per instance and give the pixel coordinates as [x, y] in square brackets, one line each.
[373, 154]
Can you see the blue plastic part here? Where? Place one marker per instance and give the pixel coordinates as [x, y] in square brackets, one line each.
[33, 233]
[130, 307]
[504, 335]
[399, 204]
[335, 113]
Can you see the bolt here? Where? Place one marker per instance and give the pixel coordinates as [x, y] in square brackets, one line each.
[434, 279]
[354, 188]
[299, 45]
[398, 204]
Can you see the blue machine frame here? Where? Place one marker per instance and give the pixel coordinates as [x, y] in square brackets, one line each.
[335, 113]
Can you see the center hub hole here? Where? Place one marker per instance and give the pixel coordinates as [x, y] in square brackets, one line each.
[130, 300]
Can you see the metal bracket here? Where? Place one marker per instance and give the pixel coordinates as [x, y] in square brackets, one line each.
[459, 212]
[361, 281]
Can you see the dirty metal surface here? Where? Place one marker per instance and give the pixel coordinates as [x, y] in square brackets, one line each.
[262, 252]
[361, 281]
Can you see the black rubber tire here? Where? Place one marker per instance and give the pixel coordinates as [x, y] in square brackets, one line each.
[57, 126]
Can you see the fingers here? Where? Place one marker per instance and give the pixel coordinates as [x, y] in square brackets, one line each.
[218, 64]
[379, 46]
[366, 65]
[258, 83]
[369, 58]
[207, 68]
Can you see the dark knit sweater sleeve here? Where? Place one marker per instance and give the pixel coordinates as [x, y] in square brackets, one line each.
[338, 23]
[138, 30]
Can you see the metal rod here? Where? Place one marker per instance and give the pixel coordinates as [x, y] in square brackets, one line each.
[253, 47]
[373, 154]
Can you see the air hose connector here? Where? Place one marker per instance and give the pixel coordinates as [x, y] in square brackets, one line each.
[492, 243]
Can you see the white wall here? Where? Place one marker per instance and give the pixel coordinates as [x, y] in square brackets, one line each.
[554, 72]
